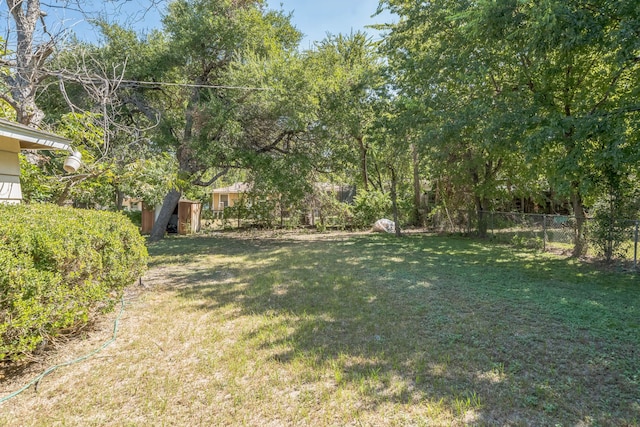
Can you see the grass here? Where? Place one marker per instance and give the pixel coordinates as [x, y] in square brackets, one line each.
[356, 330]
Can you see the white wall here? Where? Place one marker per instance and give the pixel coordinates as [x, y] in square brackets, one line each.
[10, 190]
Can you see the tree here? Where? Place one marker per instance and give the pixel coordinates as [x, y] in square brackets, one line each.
[101, 83]
[200, 120]
[74, 91]
[541, 81]
[31, 46]
[27, 62]
[350, 70]
[574, 63]
[276, 144]
[452, 102]
[390, 143]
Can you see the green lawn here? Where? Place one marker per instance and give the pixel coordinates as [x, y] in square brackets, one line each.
[359, 330]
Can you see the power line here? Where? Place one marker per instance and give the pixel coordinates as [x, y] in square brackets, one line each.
[89, 79]
[152, 83]
[205, 86]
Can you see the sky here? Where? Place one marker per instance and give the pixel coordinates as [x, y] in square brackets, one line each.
[317, 18]
[314, 18]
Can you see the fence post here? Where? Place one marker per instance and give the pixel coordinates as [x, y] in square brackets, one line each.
[544, 232]
[635, 248]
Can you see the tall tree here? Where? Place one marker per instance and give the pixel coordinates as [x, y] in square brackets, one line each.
[544, 78]
[27, 61]
[32, 41]
[576, 65]
[205, 37]
[350, 70]
[44, 75]
[452, 100]
[390, 144]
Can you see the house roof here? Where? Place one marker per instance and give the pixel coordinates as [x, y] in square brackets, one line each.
[238, 187]
[33, 139]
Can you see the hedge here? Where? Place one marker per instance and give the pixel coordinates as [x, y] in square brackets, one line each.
[58, 268]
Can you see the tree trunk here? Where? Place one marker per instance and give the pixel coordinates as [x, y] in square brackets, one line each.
[580, 244]
[482, 218]
[417, 190]
[62, 198]
[363, 163]
[186, 162]
[394, 201]
[168, 206]
[29, 59]
[119, 199]
[480, 201]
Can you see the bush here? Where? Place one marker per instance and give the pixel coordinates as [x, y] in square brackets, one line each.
[610, 231]
[369, 207]
[332, 212]
[58, 267]
[134, 216]
[261, 210]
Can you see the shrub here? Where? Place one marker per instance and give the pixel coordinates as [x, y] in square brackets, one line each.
[58, 267]
[369, 207]
[610, 231]
[261, 209]
[332, 213]
[134, 216]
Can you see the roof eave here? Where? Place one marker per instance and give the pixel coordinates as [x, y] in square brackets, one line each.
[33, 139]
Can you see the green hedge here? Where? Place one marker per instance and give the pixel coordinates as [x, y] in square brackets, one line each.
[59, 266]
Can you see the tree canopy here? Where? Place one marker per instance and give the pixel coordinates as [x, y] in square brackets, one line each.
[479, 102]
[551, 84]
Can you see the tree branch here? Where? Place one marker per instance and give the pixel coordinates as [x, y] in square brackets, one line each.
[273, 146]
[617, 76]
[219, 175]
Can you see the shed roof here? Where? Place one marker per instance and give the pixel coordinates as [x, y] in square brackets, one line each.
[238, 187]
[33, 139]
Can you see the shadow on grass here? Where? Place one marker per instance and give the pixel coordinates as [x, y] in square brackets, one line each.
[493, 334]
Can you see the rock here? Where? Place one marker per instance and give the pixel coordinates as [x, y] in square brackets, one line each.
[384, 226]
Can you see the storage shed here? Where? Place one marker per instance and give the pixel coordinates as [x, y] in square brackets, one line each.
[15, 137]
[185, 219]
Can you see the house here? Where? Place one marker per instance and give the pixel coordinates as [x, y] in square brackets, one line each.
[15, 137]
[228, 196]
[222, 198]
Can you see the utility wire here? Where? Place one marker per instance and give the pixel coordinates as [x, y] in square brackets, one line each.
[88, 79]
[39, 378]
[205, 86]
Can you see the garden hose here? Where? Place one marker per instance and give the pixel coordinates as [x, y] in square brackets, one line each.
[39, 378]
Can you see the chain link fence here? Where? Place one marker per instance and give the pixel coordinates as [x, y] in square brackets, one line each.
[548, 232]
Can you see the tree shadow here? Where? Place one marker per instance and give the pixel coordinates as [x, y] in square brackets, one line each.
[493, 334]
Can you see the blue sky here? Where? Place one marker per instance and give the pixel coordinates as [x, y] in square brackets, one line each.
[317, 18]
[314, 18]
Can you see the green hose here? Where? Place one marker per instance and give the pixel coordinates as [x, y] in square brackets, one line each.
[39, 378]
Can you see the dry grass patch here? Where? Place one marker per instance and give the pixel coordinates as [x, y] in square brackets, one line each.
[355, 330]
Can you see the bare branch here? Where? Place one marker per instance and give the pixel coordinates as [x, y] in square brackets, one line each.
[217, 176]
[8, 63]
